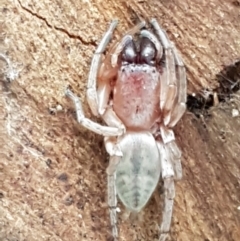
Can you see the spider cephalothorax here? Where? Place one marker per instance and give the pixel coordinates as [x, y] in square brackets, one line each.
[139, 89]
[136, 91]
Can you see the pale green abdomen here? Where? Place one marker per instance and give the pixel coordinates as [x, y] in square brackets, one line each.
[139, 170]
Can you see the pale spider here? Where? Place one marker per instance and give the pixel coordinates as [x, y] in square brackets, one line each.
[139, 90]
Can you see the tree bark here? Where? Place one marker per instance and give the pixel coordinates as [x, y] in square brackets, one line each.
[53, 180]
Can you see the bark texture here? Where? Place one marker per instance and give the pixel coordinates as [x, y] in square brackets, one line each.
[52, 171]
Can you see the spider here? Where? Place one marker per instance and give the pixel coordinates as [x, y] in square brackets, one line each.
[139, 90]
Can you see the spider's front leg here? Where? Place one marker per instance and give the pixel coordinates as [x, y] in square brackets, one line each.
[97, 96]
[95, 65]
[173, 94]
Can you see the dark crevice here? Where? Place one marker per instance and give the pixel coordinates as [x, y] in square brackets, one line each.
[229, 83]
[70, 35]
[199, 104]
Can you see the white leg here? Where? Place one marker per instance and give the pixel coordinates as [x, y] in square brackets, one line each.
[169, 190]
[92, 79]
[112, 194]
[172, 151]
[87, 123]
[113, 149]
[111, 119]
[112, 204]
[180, 106]
[173, 82]
[169, 194]
[175, 154]
[168, 80]
[107, 72]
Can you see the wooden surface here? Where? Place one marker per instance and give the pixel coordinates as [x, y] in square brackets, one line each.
[52, 171]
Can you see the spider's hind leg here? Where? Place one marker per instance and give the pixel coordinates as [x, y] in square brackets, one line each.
[112, 204]
[112, 148]
[169, 190]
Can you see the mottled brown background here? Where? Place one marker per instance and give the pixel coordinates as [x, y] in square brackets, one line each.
[52, 171]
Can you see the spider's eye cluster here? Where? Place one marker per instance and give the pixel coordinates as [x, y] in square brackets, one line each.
[144, 54]
[129, 54]
[147, 52]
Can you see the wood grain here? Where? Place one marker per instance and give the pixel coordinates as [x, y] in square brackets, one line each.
[52, 171]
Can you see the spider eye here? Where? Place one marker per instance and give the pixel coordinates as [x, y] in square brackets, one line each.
[147, 52]
[129, 53]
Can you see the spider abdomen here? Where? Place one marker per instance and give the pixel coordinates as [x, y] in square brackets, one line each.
[136, 98]
[138, 171]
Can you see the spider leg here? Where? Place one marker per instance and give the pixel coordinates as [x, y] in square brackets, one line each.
[173, 82]
[111, 119]
[169, 190]
[87, 123]
[172, 98]
[169, 194]
[180, 107]
[112, 204]
[168, 138]
[112, 192]
[107, 71]
[91, 86]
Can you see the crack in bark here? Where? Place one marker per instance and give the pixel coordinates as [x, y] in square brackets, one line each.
[70, 35]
